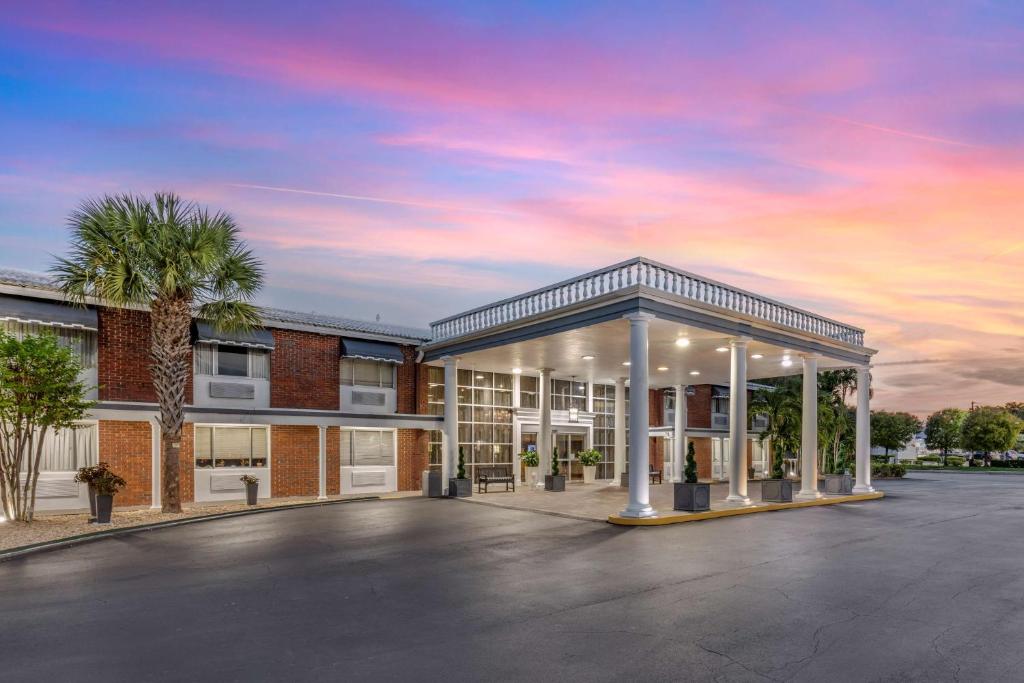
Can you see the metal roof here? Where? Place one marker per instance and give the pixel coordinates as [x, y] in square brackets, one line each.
[312, 321]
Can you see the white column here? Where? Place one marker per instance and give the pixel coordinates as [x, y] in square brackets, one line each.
[154, 431]
[863, 431]
[639, 442]
[619, 465]
[323, 462]
[679, 433]
[809, 431]
[544, 443]
[738, 422]
[449, 464]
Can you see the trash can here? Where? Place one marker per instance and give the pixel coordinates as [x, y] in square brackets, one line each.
[432, 483]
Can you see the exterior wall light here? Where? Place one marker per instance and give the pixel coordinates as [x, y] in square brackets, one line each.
[682, 341]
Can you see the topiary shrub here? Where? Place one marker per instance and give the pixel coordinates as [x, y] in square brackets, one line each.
[690, 471]
[461, 472]
[777, 468]
[554, 462]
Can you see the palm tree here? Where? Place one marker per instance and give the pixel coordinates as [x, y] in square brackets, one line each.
[834, 420]
[781, 405]
[176, 259]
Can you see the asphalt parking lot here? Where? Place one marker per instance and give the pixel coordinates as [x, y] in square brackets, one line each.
[923, 585]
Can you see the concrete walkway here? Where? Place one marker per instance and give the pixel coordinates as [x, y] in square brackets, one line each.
[603, 501]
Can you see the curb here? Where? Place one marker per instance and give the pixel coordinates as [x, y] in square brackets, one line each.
[552, 513]
[43, 546]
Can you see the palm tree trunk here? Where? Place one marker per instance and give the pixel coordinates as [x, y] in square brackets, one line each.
[170, 351]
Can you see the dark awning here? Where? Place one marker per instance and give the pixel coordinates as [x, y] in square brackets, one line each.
[46, 313]
[720, 392]
[256, 339]
[371, 350]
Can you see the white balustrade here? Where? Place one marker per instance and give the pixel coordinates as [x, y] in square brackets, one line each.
[639, 272]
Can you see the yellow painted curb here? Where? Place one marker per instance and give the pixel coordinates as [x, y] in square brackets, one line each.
[682, 517]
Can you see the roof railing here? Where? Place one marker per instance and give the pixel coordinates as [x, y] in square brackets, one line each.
[641, 272]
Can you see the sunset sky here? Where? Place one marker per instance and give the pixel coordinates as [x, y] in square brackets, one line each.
[417, 159]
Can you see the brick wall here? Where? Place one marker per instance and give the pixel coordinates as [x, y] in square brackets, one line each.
[128, 448]
[333, 461]
[698, 407]
[421, 389]
[412, 458]
[304, 371]
[123, 357]
[702, 454]
[407, 382]
[295, 460]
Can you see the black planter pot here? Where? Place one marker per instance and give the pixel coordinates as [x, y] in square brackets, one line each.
[251, 493]
[777, 490]
[624, 480]
[554, 482]
[92, 502]
[104, 506]
[839, 484]
[460, 488]
[695, 497]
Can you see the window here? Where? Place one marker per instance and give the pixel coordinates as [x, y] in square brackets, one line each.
[668, 414]
[367, 373]
[720, 404]
[566, 394]
[368, 447]
[604, 428]
[528, 392]
[231, 361]
[81, 342]
[231, 446]
[68, 449]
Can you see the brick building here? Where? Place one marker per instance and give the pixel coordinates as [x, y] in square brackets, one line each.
[317, 405]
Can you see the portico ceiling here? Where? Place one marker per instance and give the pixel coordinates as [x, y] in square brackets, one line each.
[608, 342]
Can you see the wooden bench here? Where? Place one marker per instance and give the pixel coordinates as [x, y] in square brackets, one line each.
[494, 475]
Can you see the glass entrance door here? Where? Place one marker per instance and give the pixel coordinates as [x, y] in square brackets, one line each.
[568, 446]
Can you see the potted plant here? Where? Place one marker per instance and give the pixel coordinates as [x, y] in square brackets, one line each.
[531, 461]
[840, 482]
[252, 488]
[554, 481]
[589, 459]
[690, 495]
[107, 484]
[459, 486]
[88, 476]
[777, 489]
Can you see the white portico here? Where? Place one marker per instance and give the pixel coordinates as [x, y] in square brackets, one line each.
[609, 336]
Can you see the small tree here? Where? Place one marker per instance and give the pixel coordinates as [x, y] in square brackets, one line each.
[461, 471]
[942, 430]
[893, 431]
[40, 391]
[989, 429]
[690, 472]
[554, 462]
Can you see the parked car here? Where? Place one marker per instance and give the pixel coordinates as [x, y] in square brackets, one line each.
[1013, 455]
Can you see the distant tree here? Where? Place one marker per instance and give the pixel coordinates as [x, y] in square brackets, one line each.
[893, 431]
[989, 428]
[1015, 408]
[40, 392]
[942, 430]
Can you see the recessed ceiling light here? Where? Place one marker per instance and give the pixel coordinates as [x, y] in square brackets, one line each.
[626, 363]
[662, 368]
[479, 376]
[722, 349]
[587, 357]
[694, 372]
[517, 371]
[786, 362]
[682, 341]
[757, 356]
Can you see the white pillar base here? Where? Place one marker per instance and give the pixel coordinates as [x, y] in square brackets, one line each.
[638, 511]
[808, 495]
[740, 500]
[864, 489]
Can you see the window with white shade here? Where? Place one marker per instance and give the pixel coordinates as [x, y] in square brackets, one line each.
[367, 447]
[231, 361]
[360, 372]
[241, 446]
[83, 343]
[66, 450]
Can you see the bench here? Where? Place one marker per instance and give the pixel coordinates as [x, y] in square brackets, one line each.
[494, 475]
[654, 474]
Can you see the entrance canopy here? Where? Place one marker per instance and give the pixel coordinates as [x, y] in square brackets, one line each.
[578, 327]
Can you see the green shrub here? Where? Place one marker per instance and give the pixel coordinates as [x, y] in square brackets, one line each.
[930, 458]
[554, 462]
[589, 457]
[461, 474]
[954, 461]
[529, 458]
[690, 472]
[886, 469]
